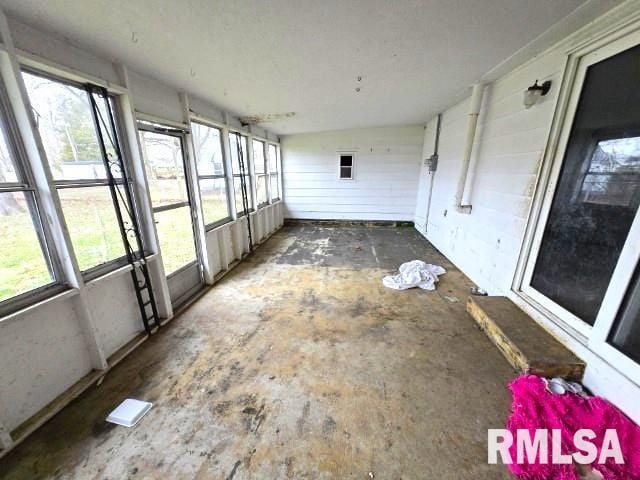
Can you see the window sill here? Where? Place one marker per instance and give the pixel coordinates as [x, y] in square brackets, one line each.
[29, 309]
[116, 272]
[215, 225]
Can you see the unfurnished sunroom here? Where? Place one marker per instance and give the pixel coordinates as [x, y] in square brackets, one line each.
[356, 239]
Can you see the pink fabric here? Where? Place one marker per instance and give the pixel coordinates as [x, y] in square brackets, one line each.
[534, 407]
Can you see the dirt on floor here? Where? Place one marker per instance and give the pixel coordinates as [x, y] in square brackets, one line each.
[299, 364]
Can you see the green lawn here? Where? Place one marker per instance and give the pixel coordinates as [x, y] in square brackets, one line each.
[95, 236]
[22, 265]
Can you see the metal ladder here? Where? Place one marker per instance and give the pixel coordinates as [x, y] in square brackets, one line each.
[243, 188]
[115, 167]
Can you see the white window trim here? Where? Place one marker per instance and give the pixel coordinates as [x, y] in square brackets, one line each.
[353, 165]
[224, 176]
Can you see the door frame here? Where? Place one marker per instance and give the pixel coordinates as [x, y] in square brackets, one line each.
[612, 301]
[181, 134]
[593, 50]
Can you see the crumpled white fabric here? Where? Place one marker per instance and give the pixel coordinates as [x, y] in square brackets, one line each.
[415, 273]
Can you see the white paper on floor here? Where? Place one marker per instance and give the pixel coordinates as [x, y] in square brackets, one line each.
[415, 273]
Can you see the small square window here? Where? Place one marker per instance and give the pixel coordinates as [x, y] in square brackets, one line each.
[346, 166]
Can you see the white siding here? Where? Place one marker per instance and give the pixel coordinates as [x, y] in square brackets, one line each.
[387, 164]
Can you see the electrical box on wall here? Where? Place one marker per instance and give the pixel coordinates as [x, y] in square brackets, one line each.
[431, 163]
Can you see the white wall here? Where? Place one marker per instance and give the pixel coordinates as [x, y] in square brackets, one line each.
[509, 144]
[509, 147]
[386, 174]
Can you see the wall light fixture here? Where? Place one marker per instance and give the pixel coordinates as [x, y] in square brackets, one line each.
[534, 92]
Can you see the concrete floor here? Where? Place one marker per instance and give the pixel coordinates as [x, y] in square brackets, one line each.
[298, 364]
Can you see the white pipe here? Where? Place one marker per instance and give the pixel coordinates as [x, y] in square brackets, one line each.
[472, 122]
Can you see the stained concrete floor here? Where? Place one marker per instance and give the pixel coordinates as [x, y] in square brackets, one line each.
[298, 364]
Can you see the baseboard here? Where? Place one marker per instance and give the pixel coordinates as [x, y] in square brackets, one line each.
[348, 223]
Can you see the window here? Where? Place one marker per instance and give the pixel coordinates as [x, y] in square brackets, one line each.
[25, 265]
[238, 149]
[64, 118]
[207, 143]
[274, 184]
[260, 167]
[346, 166]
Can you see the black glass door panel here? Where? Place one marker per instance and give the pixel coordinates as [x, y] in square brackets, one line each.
[598, 190]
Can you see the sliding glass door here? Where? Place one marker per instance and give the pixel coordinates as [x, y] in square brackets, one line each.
[171, 199]
[584, 263]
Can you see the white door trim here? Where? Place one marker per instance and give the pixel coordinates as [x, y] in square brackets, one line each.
[608, 43]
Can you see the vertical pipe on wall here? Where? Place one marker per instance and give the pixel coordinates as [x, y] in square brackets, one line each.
[432, 170]
[472, 123]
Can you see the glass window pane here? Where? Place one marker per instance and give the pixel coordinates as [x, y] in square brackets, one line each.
[625, 334]
[91, 220]
[63, 116]
[261, 189]
[214, 200]
[233, 147]
[109, 137]
[208, 149]
[273, 158]
[346, 160]
[258, 156]
[238, 194]
[598, 191]
[175, 234]
[23, 265]
[275, 188]
[165, 168]
[345, 172]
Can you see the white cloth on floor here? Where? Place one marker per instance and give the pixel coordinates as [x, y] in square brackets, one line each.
[415, 273]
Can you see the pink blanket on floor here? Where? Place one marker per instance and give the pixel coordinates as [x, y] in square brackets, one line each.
[534, 408]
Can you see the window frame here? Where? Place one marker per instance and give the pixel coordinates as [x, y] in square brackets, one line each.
[248, 174]
[265, 172]
[352, 167]
[27, 184]
[101, 269]
[275, 173]
[225, 176]
[147, 126]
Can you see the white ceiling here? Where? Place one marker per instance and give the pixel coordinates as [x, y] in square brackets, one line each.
[273, 57]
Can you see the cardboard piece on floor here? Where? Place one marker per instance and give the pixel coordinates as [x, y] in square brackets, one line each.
[129, 412]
